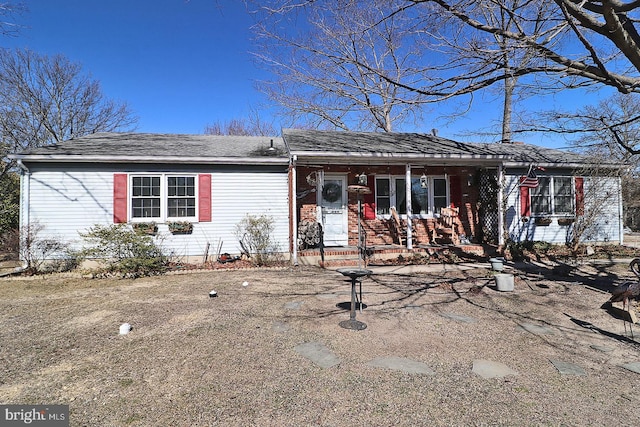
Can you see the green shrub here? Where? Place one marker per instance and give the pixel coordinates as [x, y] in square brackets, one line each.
[124, 251]
[254, 233]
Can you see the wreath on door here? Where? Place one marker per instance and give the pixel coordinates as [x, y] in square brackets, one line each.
[331, 192]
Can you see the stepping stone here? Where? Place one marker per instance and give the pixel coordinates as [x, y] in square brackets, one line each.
[490, 369]
[633, 367]
[327, 296]
[401, 364]
[536, 329]
[602, 348]
[294, 305]
[459, 317]
[318, 353]
[280, 326]
[567, 368]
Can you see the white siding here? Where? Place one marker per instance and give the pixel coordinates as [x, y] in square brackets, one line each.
[600, 193]
[234, 195]
[68, 202]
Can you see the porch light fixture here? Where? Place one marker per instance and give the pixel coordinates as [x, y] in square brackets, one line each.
[362, 179]
[423, 181]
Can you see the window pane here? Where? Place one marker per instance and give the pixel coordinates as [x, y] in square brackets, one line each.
[181, 200]
[563, 195]
[181, 207]
[401, 199]
[419, 197]
[562, 186]
[541, 197]
[383, 202]
[145, 208]
[439, 194]
[145, 200]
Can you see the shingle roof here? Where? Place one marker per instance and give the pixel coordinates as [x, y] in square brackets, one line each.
[114, 147]
[313, 143]
[310, 144]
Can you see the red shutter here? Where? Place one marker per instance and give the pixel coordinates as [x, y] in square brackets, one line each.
[370, 200]
[120, 184]
[455, 190]
[204, 197]
[579, 196]
[525, 202]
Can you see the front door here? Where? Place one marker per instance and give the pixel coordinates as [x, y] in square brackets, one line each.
[334, 210]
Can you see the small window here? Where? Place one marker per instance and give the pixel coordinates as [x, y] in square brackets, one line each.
[383, 196]
[181, 193]
[427, 196]
[555, 195]
[563, 195]
[541, 197]
[145, 197]
[163, 197]
[439, 194]
[419, 196]
[400, 196]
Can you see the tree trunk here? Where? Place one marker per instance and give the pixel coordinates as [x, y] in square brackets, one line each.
[509, 85]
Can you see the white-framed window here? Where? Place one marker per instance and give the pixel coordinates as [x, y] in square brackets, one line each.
[554, 195]
[163, 197]
[427, 196]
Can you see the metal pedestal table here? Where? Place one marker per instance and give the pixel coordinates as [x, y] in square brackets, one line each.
[354, 274]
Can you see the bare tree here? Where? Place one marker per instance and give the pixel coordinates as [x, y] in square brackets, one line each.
[495, 60]
[610, 130]
[8, 14]
[254, 125]
[604, 30]
[45, 100]
[344, 66]
[385, 60]
[458, 47]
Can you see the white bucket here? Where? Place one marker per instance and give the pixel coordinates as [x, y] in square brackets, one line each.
[125, 328]
[504, 282]
[497, 264]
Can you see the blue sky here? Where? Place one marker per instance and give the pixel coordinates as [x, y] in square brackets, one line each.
[180, 65]
[183, 64]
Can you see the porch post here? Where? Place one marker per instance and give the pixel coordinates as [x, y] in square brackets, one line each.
[293, 210]
[501, 206]
[408, 199]
[620, 211]
[25, 209]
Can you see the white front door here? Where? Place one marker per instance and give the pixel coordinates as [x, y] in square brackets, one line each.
[334, 210]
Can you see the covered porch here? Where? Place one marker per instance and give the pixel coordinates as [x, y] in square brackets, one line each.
[393, 194]
[393, 211]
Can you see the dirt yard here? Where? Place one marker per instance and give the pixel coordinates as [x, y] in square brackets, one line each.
[192, 360]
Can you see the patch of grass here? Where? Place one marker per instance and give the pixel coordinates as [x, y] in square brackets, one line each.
[125, 382]
[134, 418]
